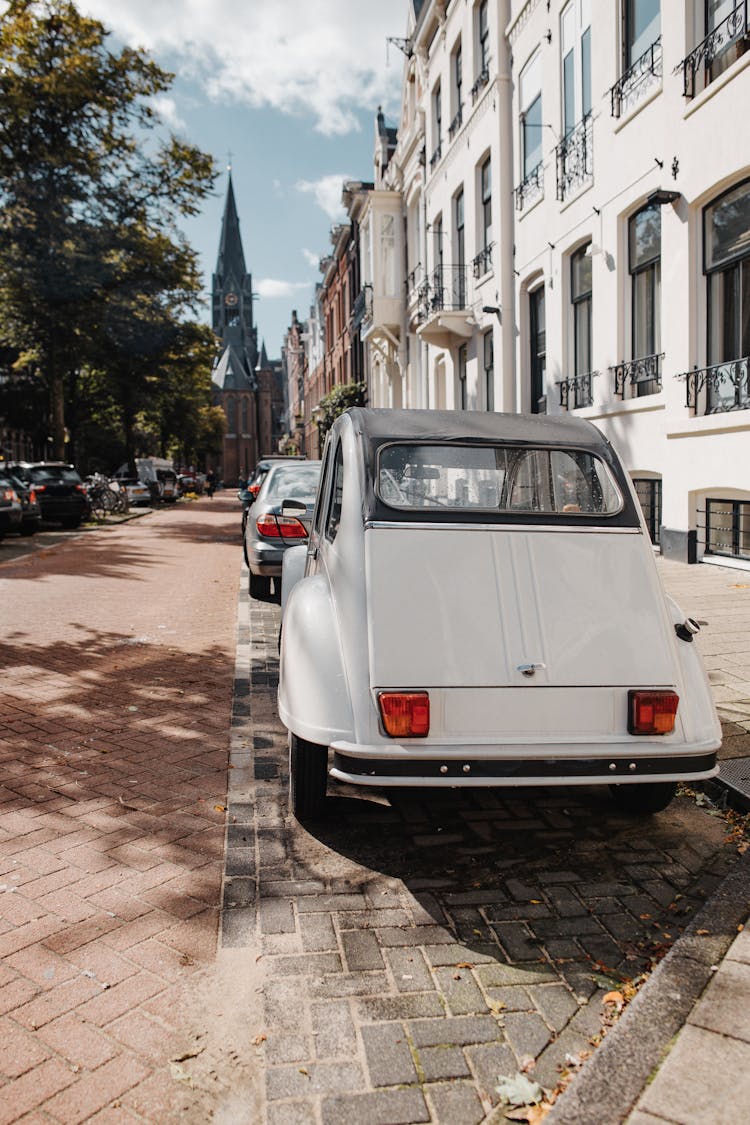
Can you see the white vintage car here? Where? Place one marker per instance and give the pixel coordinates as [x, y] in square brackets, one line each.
[478, 605]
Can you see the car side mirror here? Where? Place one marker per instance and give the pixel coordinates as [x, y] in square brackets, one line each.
[293, 508]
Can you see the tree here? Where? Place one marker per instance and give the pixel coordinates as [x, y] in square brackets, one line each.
[339, 399]
[89, 200]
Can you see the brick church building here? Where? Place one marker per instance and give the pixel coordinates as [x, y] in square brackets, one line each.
[246, 385]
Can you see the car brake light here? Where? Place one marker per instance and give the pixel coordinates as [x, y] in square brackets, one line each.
[405, 714]
[254, 489]
[41, 487]
[277, 527]
[80, 488]
[652, 712]
[32, 497]
[9, 494]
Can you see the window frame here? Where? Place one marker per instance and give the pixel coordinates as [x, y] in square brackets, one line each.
[645, 274]
[579, 300]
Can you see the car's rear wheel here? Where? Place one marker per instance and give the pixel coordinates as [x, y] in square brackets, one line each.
[643, 800]
[71, 522]
[259, 585]
[308, 775]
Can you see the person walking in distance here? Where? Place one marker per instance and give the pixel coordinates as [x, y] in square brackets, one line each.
[210, 483]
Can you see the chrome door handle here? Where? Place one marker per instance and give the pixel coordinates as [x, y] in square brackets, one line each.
[529, 669]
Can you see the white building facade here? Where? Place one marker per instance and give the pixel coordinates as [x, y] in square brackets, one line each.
[570, 195]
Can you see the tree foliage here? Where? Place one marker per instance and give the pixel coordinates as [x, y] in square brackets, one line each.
[339, 399]
[97, 284]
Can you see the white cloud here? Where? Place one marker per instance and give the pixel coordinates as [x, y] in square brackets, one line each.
[310, 258]
[326, 58]
[166, 108]
[327, 193]
[271, 287]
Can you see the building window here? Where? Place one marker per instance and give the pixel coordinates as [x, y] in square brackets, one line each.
[575, 39]
[244, 416]
[728, 528]
[486, 189]
[231, 416]
[580, 296]
[458, 81]
[642, 28]
[726, 236]
[462, 395]
[721, 28]
[644, 248]
[460, 248]
[437, 125]
[537, 351]
[488, 349]
[648, 491]
[437, 230]
[531, 115]
[483, 30]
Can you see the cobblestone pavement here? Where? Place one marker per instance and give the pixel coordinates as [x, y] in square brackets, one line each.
[417, 949]
[117, 652]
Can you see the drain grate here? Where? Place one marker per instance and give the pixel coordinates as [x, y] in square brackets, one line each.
[735, 775]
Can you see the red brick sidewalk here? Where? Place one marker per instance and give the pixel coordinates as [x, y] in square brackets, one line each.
[117, 658]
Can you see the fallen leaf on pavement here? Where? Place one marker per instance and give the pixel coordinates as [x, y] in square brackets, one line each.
[463, 965]
[304, 1071]
[519, 1090]
[615, 998]
[703, 932]
[220, 808]
[741, 927]
[256, 1042]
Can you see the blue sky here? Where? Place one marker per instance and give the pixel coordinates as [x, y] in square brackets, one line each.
[291, 88]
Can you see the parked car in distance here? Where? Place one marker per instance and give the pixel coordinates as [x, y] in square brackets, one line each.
[263, 468]
[166, 480]
[31, 513]
[138, 493]
[58, 487]
[269, 531]
[478, 605]
[189, 482]
[10, 506]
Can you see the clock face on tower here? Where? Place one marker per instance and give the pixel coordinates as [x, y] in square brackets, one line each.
[231, 300]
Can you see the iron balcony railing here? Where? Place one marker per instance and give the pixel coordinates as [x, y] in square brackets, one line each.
[719, 388]
[732, 29]
[575, 158]
[637, 79]
[445, 290]
[434, 159]
[456, 123]
[530, 188]
[362, 311]
[482, 263]
[577, 391]
[482, 79]
[642, 375]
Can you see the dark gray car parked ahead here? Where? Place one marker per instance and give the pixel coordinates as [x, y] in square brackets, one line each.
[268, 532]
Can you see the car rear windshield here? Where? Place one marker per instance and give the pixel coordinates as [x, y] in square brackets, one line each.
[292, 482]
[511, 479]
[42, 473]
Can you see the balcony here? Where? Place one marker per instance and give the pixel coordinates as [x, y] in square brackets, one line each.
[637, 80]
[456, 123]
[638, 376]
[718, 389]
[575, 159]
[482, 264]
[732, 30]
[577, 391]
[435, 158]
[482, 79]
[530, 188]
[444, 310]
[362, 311]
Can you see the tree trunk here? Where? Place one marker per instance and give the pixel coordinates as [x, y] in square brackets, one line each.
[57, 410]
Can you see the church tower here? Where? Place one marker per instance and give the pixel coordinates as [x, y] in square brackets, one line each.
[243, 382]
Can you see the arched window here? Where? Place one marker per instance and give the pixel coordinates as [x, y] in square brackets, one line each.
[244, 416]
[231, 415]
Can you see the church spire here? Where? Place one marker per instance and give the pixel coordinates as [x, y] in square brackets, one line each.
[231, 261]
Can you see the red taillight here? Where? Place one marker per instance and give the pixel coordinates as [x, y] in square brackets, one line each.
[280, 527]
[254, 489]
[32, 497]
[41, 487]
[405, 714]
[9, 494]
[80, 488]
[652, 712]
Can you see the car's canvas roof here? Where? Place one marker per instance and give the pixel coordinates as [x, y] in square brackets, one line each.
[476, 425]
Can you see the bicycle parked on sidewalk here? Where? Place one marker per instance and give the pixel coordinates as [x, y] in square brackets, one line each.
[105, 497]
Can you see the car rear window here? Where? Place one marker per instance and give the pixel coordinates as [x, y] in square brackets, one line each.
[292, 482]
[41, 473]
[512, 479]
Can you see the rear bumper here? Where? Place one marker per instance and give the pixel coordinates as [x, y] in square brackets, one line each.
[517, 766]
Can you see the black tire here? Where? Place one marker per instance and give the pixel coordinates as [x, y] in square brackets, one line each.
[259, 585]
[308, 776]
[73, 522]
[643, 800]
[26, 530]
